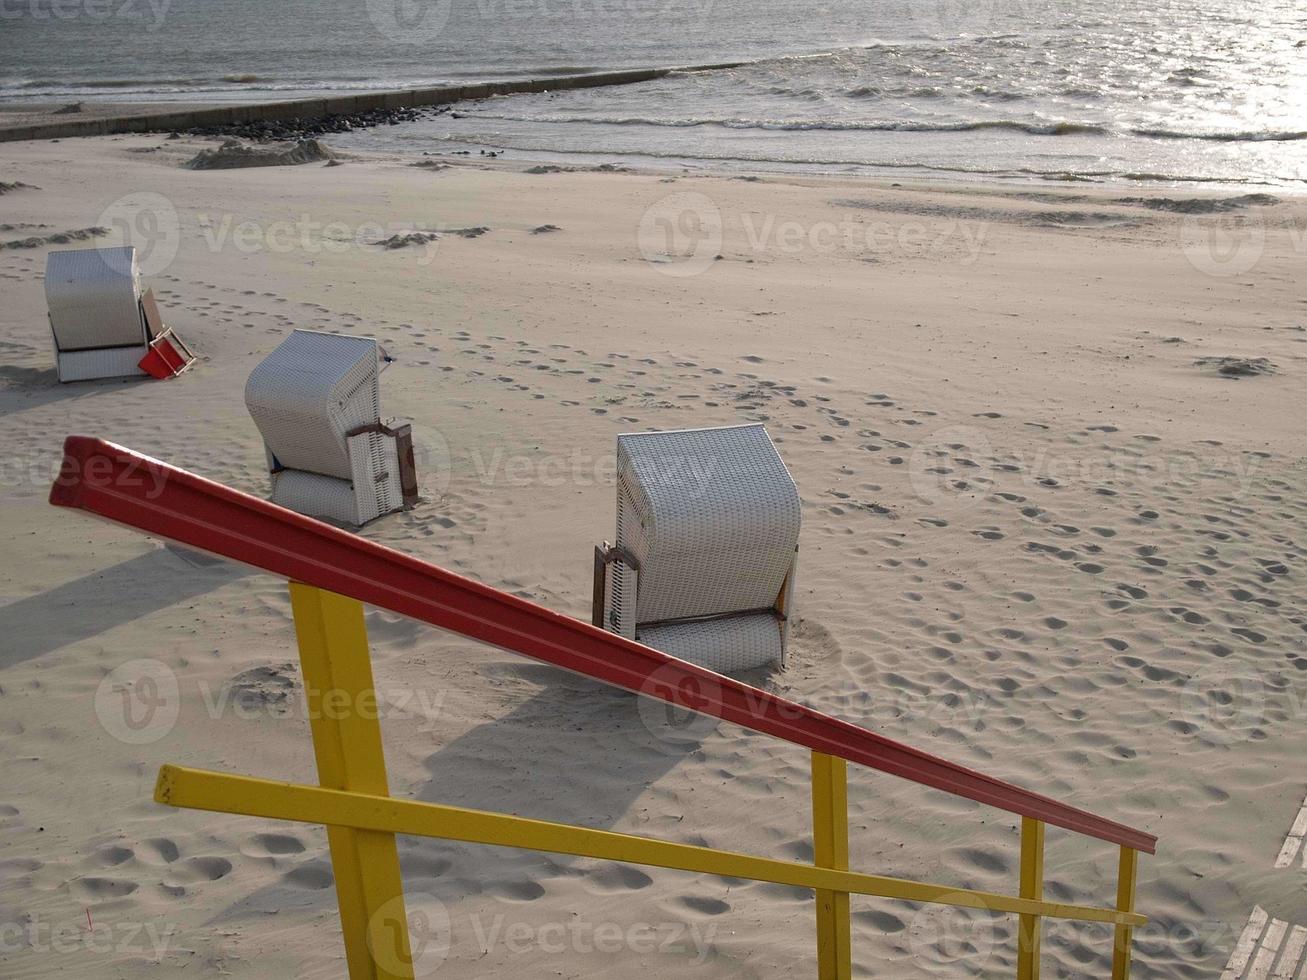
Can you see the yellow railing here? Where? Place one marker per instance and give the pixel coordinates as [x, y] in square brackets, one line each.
[362, 820]
[352, 799]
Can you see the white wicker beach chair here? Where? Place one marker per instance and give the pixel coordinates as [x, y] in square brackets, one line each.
[316, 400]
[94, 298]
[706, 553]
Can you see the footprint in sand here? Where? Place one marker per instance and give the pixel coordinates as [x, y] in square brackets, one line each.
[158, 850]
[705, 906]
[272, 846]
[198, 869]
[93, 889]
[312, 876]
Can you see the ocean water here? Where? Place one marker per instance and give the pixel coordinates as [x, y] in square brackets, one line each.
[1178, 90]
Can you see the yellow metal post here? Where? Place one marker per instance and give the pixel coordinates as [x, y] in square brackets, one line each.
[1125, 902]
[344, 717]
[830, 839]
[1029, 927]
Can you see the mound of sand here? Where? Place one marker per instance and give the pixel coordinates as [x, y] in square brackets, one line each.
[234, 154]
[404, 241]
[61, 238]
[1237, 367]
[7, 188]
[1201, 205]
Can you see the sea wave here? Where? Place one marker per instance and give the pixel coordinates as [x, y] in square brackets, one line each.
[57, 84]
[1029, 127]
[816, 125]
[1085, 175]
[1242, 136]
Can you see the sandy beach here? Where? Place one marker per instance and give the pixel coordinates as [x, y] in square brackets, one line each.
[1050, 446]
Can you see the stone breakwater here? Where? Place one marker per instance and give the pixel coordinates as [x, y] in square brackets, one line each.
[300, 115]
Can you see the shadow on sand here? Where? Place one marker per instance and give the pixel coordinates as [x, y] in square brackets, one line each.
[96, 603]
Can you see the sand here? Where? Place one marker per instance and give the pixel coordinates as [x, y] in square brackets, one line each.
[1043, 536]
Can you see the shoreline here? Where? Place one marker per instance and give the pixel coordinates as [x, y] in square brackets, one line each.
[344, 115]
[887, 175]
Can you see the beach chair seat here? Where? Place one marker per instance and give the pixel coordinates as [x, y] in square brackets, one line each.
[101, 323]
[94, 297]
[705, 558]
[316, 400]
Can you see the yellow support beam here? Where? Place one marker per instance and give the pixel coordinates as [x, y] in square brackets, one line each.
[1030, 927]
[830, 843]
[1127, 875]
[344, 718]
[197, 789]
